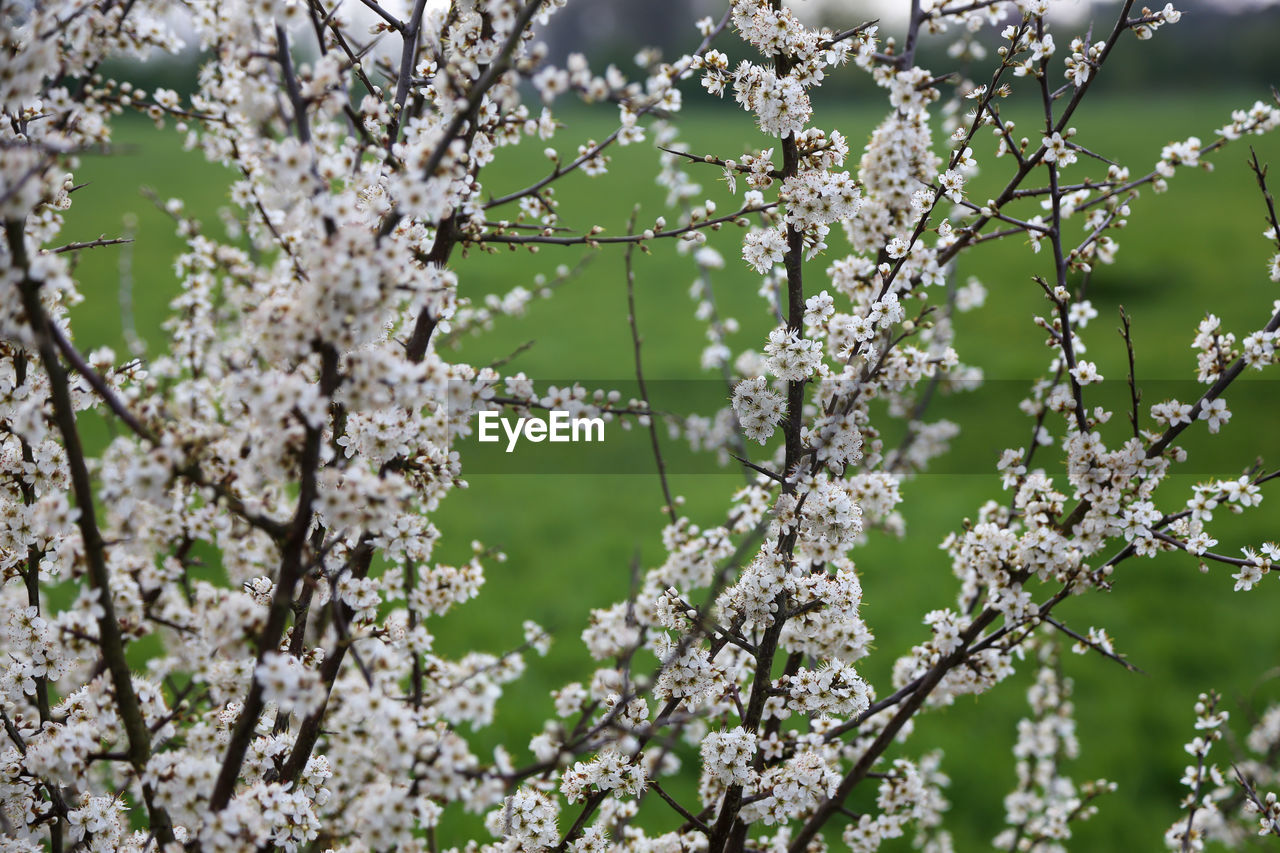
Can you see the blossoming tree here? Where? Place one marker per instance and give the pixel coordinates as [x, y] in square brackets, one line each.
[300, 420]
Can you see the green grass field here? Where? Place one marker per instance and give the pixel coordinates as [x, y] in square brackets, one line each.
[570, 538]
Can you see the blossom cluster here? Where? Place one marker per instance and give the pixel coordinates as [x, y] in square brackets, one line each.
[220, 627]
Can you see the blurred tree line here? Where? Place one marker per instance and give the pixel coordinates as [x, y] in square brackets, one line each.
[1211, 45]
[1211, 48]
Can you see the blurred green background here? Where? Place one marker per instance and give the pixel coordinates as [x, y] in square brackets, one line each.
[570, 538]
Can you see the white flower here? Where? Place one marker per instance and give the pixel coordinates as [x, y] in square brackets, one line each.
[1058, 151]
[1216, 413]
[790, 356]
[759, 410]
[952, 183]
[727, 756]
[764, 248]
[1086, 372]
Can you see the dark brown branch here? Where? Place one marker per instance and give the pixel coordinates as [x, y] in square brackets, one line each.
[282, 596]
[1085, 641]
[844, 34]
[392, 21]
[1134, 394]
[593, 240]
[760, 469]
[712, 160]
[110, 640]
[561, 170]
[291, 86]
[908, 55]
[910, 705]
[309, 730]
[729, 832]
[691, 818]
[91, 244]
[99, 385]
[411, 33]
[1035, 158]
[482, 85]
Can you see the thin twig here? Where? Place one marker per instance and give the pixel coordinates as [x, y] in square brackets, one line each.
[654, 443]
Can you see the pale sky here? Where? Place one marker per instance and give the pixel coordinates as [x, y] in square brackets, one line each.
[893, 13]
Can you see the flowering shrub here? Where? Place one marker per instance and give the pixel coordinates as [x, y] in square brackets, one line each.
[300, 425]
